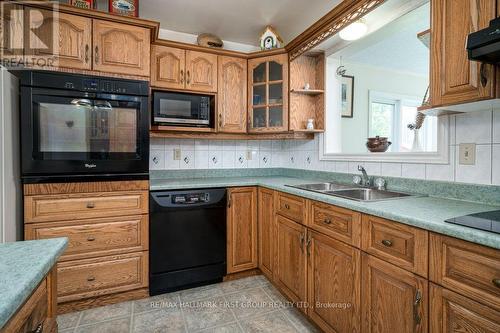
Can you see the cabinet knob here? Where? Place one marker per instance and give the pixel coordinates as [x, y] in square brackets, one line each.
[91, 238]
[327, 221]
[496, 282]
[287, 206]
[38, 329]
[90, 205]
[91, 278]
[386, 242]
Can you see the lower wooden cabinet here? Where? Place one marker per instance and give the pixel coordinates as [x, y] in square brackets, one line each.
[242, 229]
[451, 312]
[266, 231]
[394, 300]
[291, 259]
[334, 273]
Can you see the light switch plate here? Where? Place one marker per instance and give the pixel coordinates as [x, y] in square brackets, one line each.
[177, 154]
[467, 153]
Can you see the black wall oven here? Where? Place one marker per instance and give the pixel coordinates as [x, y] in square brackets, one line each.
[83, 127]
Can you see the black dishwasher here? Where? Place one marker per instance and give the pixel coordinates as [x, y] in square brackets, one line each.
[187, 239]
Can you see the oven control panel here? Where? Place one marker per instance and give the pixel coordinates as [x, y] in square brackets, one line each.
[190, 198]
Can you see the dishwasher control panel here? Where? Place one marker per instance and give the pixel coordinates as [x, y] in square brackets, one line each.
[190, 198]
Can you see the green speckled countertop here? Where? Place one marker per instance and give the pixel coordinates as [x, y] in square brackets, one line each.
[424, 212]
[23, 265]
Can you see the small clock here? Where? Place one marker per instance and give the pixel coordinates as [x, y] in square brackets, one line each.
[270, 39]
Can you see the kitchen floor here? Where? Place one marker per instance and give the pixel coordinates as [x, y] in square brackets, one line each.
[250, 304]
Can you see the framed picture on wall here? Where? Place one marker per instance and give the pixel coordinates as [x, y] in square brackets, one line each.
[347, 95]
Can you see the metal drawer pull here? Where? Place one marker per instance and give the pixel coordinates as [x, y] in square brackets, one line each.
[308, 246]
[386, 242]
[188, 80]
[38, 329]
[87, 53]
[91, 238]
[287, 206]
[182, 76]
[90, 205]
[327, 221]
[96, 56]
[301, 239]
[91, 278]
[496, 282]
[416, 304]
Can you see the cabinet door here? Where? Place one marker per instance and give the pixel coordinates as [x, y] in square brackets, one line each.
[334, 282]
[268, 94]
[455, 79]
[242, 229]
[267, 232]
[394, 300]
[201, 71]
[232, 96]
[11, 31]
[64, 38]
[451, 312]
[167, 67]
[291, 266]
[121, 48]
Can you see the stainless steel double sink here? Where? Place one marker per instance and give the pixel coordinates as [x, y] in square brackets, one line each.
[352, 192]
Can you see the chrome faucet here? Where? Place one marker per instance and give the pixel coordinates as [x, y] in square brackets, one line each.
[365, 181]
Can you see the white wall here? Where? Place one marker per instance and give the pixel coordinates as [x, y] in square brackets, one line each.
[482, 128]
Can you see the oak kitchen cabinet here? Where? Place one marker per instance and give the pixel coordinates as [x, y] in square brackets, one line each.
[268, 94]
[241, 229]
[291, 259]
[83, 43]
[232, 95]
[334, 273]
[179, 69]
[395, 300]
[454, 79]
[11, 34]
[267, 232]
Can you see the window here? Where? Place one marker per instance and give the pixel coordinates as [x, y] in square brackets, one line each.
[389, 116]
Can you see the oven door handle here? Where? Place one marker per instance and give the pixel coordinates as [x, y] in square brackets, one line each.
[82, 102]
[124, 98]
[103, 105]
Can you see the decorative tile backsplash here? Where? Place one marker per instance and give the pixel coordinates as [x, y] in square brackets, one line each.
[481, 128]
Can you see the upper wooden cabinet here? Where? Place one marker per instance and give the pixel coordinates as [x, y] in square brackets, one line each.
[394, 300]
[66, 37]
[11, 32]
[121, 48]
[201, 71]
[178, 69]
[242, 229]
[268, 94]
[167, 67]
[455, 79]
[232, 95]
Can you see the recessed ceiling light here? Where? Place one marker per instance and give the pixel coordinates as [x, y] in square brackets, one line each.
[354, 31]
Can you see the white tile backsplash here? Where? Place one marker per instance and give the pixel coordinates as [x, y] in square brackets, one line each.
[474, 127]
[482, 128]
[495, 161]
[479, 173]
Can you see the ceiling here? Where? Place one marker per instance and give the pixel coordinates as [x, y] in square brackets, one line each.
[394, 46]
[239, 21]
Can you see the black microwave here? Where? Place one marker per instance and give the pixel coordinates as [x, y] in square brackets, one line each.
[183, 109]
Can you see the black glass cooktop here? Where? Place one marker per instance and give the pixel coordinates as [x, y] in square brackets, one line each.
[488, 221]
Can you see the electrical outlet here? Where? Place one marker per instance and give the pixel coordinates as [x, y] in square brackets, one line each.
[249, 155]
[177, 154]
[467, 153]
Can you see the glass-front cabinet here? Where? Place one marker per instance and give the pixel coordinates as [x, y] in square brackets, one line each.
[268, 94]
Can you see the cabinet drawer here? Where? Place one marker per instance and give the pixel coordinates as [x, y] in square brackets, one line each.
[292, 207]
[100, 276]
[63, 207]
[32, 314]
[342, 224]
[397, 243]
[95, 237]
[469, 269]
